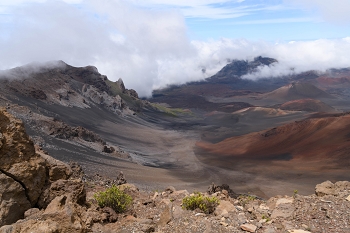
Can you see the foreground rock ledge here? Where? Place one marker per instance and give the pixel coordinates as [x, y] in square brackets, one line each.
[24, 172]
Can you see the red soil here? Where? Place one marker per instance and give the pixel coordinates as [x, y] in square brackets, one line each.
[326, 139]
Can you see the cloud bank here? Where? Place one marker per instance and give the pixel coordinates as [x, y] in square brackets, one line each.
[147, 48]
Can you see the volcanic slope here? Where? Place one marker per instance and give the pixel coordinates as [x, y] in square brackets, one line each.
[296, 91]
[309, 105]
[77, 114]
[322, 139]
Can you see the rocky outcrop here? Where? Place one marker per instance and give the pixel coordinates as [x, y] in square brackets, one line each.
[13, 200]
[28, 176]
[163, 212]
[339, 188]
[18, 158]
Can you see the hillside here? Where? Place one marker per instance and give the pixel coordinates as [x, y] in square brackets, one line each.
[322, 139]
[309, 105]
[296, 91]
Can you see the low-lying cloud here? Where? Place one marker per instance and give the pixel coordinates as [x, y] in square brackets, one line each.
[147, 48]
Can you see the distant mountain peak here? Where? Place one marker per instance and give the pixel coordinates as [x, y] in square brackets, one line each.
[237, 68]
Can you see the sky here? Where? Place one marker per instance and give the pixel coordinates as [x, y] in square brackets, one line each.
[154, 43]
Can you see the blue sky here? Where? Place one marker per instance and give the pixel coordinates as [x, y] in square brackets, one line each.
[272, 20]
[154, 43]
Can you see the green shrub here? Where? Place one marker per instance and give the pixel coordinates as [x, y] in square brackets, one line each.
[206, 204]
[114, 198]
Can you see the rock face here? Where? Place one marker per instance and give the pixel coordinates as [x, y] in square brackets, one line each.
[19, 163]
[13, 200]
[329, 188]
[28, 176]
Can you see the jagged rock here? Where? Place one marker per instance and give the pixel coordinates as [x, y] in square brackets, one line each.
[340, 188]
[348, 198]
[248, 227]
[216, 188]
[120, 179]
[56, 169]
[13, 200]
[132, 93]
[165, 216]
[325, 188]
[77, 171]
[61, 215]
[19, 160]
[108, 149]
[170, 189]
[110, 215]
[31, 212]
[224, 207]
[121, 84]
[73, 188]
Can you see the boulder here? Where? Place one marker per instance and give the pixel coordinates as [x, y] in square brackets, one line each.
[75, 189]
[61, 215]
[224, 207]
[13, 200]
[248, 227]
[325, 188]
[19, 161]
[57, 170]
[18, 157]
[217, 188]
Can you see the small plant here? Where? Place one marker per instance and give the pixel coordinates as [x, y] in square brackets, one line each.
[266, 218]
[114, 198]
[295, 193]
[206, 204]
[245, 199]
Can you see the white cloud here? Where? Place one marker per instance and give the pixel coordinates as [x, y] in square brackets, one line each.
[274, 21]
[332, 11]
[209, 9]
[306, 55]
[148, 48]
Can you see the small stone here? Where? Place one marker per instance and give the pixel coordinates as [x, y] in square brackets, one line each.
[170, 189]
[156, 194]
[224, 208]
[240, 208]
[224, 224]
[348, 198]
[264, 207]
[31, 212]
[248, 227]
[199, 214]
[241, 218]
[284, 201]
[298, 231]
